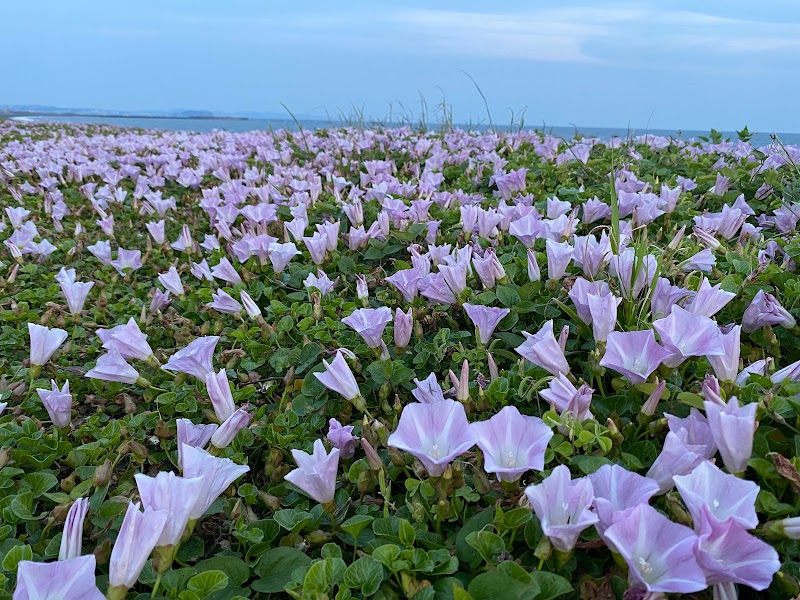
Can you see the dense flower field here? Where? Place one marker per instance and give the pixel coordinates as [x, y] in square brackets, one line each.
[392, 364]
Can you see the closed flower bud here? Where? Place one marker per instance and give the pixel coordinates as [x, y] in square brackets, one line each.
[102, 474]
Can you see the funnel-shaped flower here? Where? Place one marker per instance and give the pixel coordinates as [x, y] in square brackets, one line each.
[369, 323]
[135, 541]
[724, 495]
[60, 580]
[686, 334]
[616, 492]
[316, 472]
[634, 354]
[765, 310]
[176, 495]
[485, 319]
[512, 443]
[677, 457]
[58, 403]
[434, 433]
[726, 365]
[407, 283]
[112, 367]
[709, 299]
[217, 474]
[728, 554]
[563, 507]
[338, 377]
[732, 427]
[224, 303]
[44, 342]
[660, 553]
[603, 313]
[224, 271]
[428, 390]
[75, 292]
[171, 280]
[195, 359]
[128, 339]
[542, 349]
[73, 530]
[281, 255]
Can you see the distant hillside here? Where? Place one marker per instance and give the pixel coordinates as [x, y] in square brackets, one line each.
[45, 109]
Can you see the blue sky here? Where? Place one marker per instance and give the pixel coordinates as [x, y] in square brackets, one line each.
[666, 64]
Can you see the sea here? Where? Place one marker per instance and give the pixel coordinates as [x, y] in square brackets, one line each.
[239, 125]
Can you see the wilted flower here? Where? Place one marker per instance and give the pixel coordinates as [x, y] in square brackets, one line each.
[733, 427]
[765, 310]
[58, 403]
[190, 434]
[485, 319]
[565, 397]
[563, 507]
[702, 261]
[434, 433]
[223, 302]
[660, 554]
[250, 306]
[320, 281]
[341, 437]
[316, 472]
[559, 255]
[542, 349]
[512, 443]
[534, 273]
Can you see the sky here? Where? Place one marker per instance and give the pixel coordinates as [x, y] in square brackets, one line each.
[660, 64]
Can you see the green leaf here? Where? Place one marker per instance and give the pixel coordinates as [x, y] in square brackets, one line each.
[488, 544]
[464, 551]
[206, 583]
[40, 482]
[292, 519]
[365, 575]
[499, 586]
[275, 568]
[235, 568]
[356, 524]
[15, 555]
[550, 584]
[316, 579]
[406, 533]
[507, 296]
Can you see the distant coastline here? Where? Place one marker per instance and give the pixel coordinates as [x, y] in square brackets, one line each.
[44, 115]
